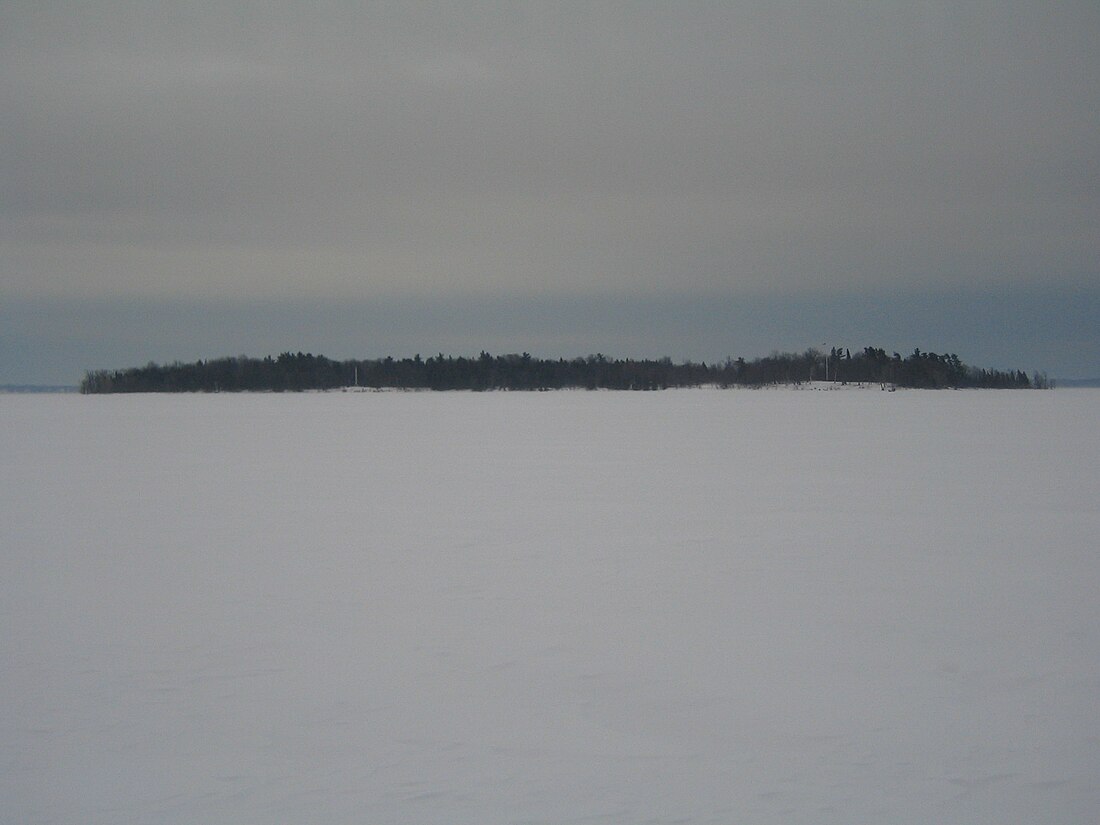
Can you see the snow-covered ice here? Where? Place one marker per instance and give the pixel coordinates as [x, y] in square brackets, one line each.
[692, 606]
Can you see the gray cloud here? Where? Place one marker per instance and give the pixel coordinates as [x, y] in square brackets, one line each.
[545, 152]
[1036, 328]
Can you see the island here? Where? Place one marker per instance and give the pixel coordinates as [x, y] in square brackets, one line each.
[306, 371]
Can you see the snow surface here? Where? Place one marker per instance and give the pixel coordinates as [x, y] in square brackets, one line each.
[692, 606]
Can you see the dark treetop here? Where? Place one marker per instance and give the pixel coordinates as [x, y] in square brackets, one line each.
[298, 371]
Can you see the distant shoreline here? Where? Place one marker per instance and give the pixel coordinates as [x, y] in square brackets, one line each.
[296, 372]
[1077, 383]
[38, 388]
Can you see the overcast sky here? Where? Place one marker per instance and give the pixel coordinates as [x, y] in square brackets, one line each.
[697, 180]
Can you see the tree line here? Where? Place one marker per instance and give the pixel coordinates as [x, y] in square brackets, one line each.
[305, 371]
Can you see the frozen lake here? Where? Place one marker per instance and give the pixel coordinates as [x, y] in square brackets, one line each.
[691, 606]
